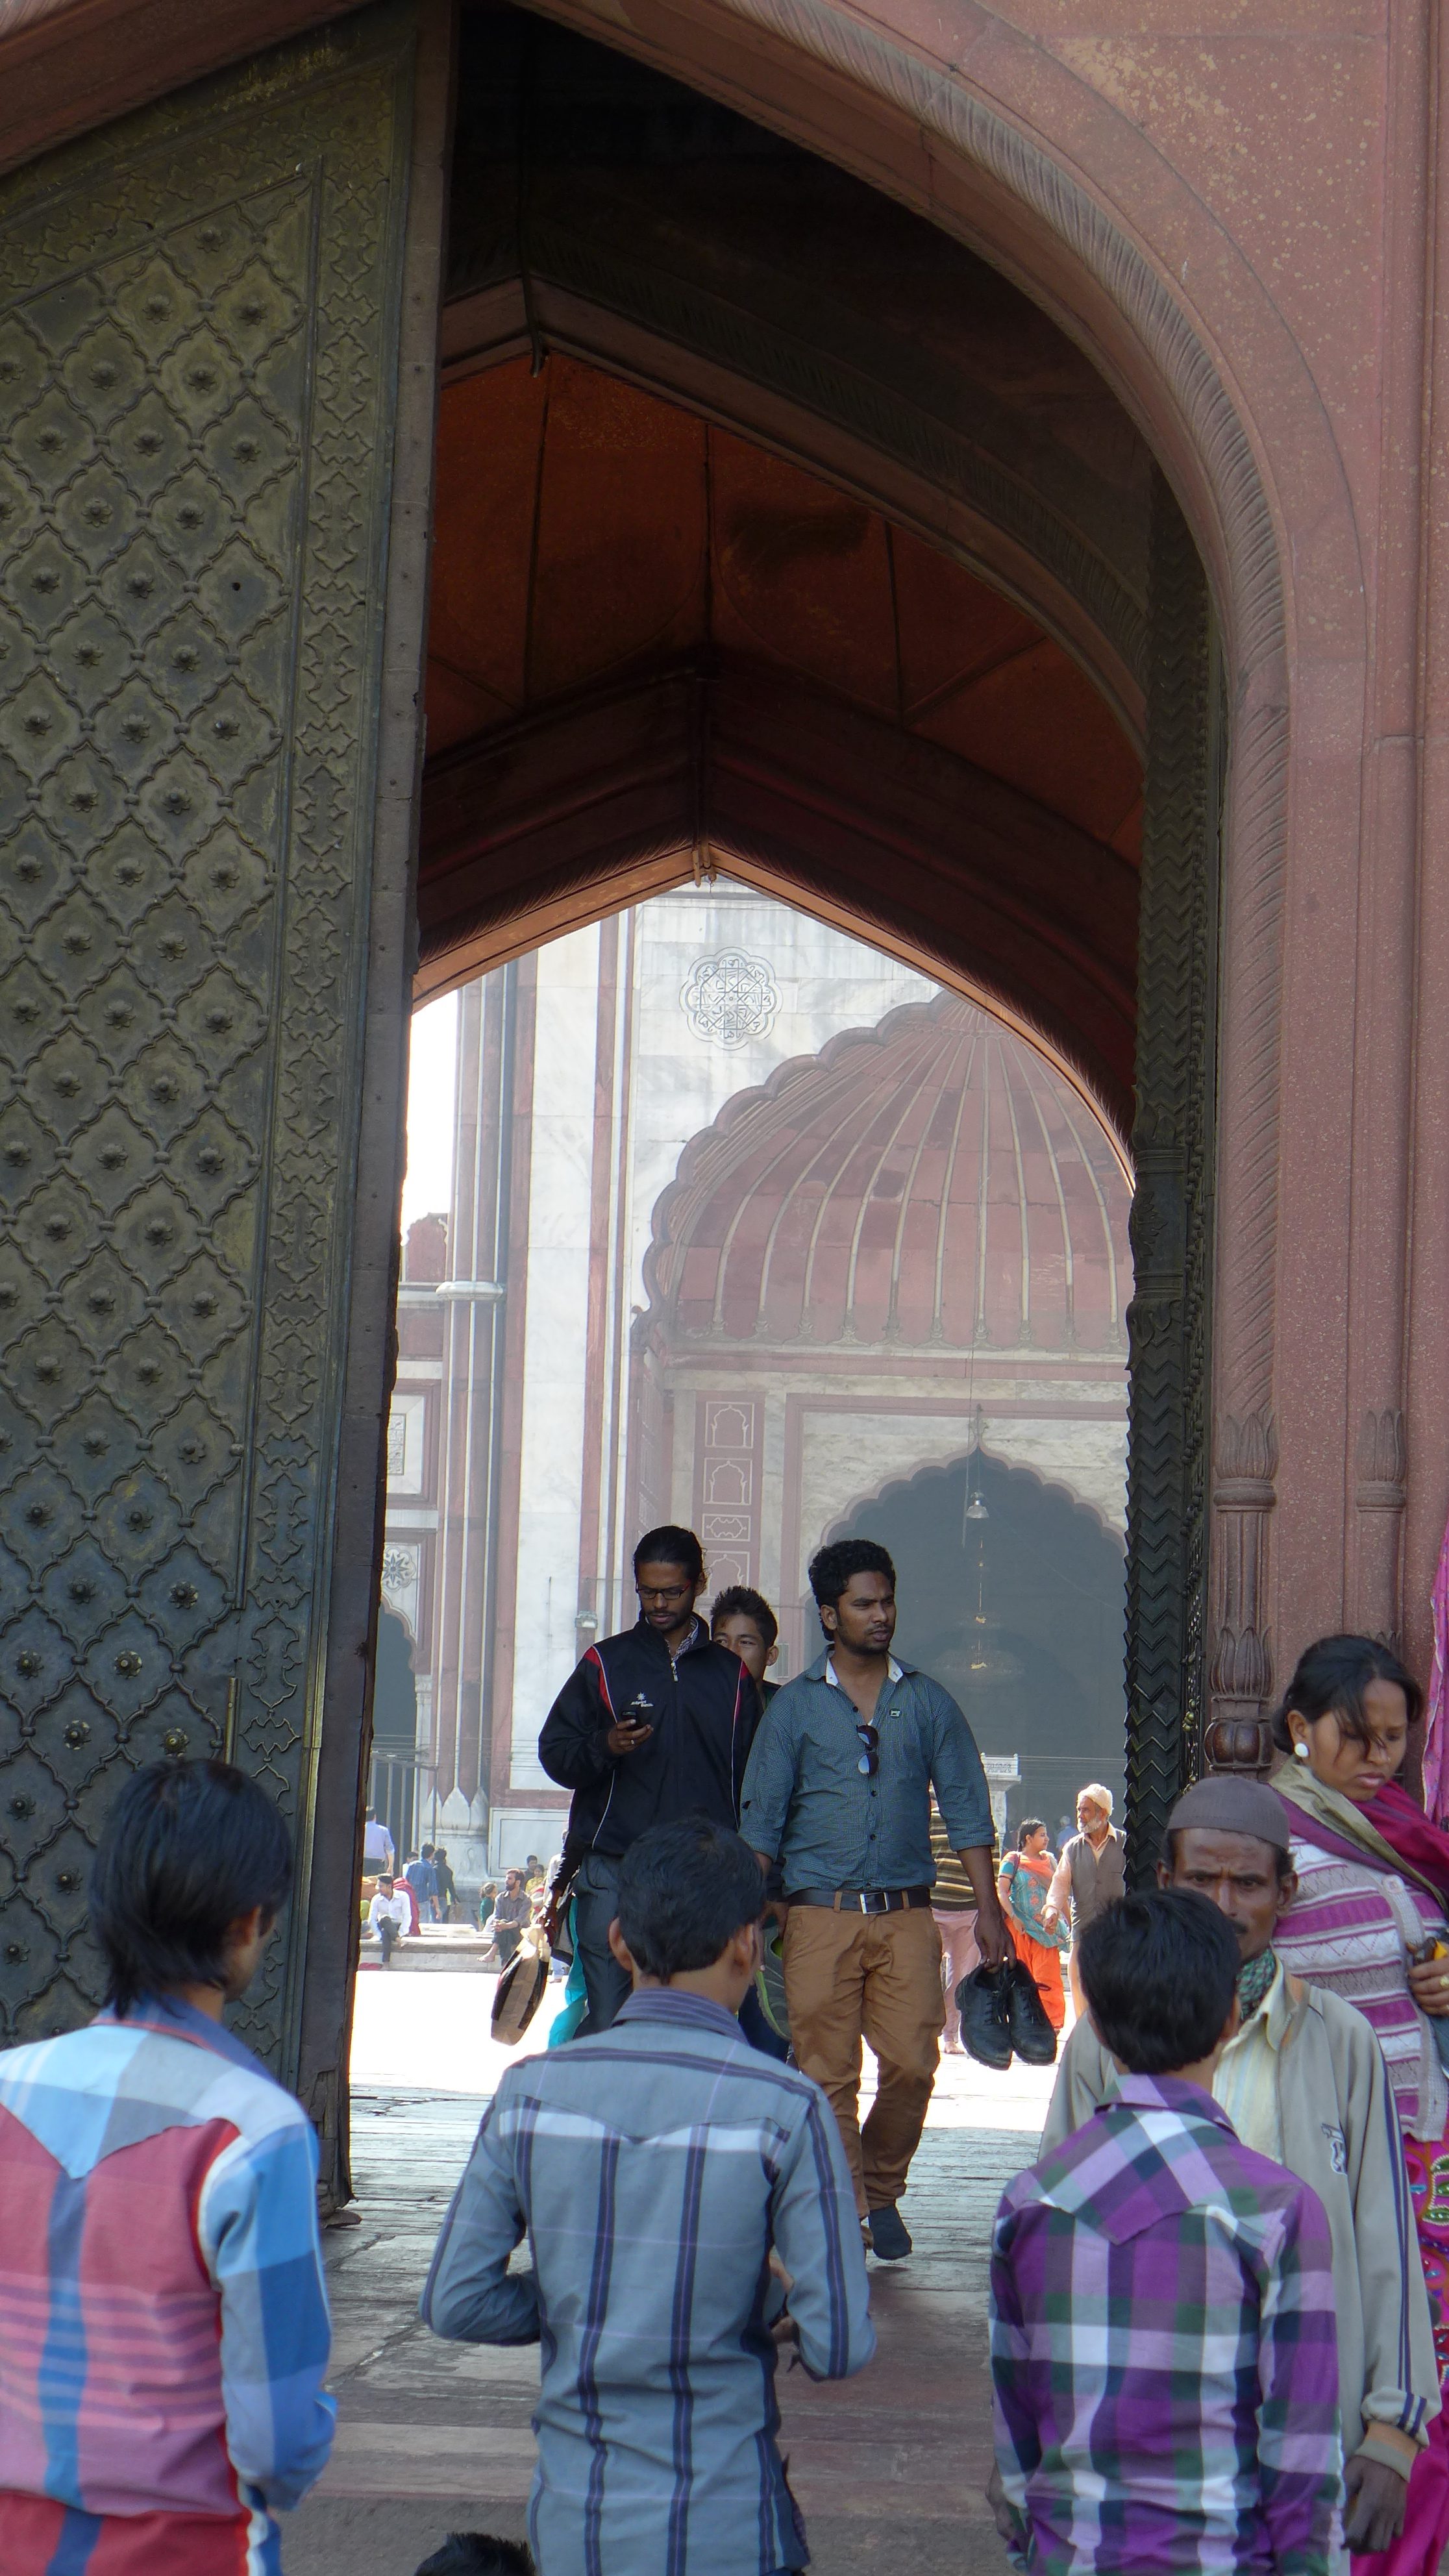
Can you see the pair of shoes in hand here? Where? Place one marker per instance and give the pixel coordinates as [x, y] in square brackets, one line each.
[1002, 2015]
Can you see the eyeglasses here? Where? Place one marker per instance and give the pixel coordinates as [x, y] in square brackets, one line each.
[869, 1762]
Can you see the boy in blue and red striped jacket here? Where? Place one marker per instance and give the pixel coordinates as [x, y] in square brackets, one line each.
[163, 2320]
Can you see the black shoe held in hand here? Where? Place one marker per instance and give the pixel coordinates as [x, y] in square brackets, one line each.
[983, 2001]
[1032, 2035]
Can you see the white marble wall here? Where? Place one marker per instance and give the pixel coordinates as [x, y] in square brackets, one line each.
[555, 1326]
[824, 983]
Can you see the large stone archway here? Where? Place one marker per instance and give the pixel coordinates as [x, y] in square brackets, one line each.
[1032, 161]
[1132, 179]
[632, 767]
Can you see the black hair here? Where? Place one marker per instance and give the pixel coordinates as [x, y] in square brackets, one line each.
[739, 1601]
[832, 1568]
[1282, 1857]
[671, 1546]
[1029, 1825]
[684, 1891]
[387, 1878]
[1332, 1676]
[427, 1851]
[187, 1848]
[1160, 1972]
[478, 2553]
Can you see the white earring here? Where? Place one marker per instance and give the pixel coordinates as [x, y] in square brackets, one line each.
[1300, 1752]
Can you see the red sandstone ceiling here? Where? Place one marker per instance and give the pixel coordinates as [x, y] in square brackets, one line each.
[933, 1181]
[587, 529]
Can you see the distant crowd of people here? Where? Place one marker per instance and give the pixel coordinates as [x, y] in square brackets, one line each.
[1219, 2300]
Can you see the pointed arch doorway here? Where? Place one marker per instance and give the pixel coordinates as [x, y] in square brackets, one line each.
[740, 590]
[986, 458]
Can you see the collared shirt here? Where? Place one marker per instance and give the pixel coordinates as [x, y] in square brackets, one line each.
[1245, 2079]
[393, 1909]
[653, 2169]
[1334, 2121]
[807, 1801]
[1163, 2349]
[377, 1843]
[163, 2316]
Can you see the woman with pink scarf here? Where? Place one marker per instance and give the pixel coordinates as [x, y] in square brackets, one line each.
[1371, 1921]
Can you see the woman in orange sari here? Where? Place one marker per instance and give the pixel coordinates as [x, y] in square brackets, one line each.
[1026, 1874]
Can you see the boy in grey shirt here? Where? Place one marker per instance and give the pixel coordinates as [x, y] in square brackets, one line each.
[655, 2169]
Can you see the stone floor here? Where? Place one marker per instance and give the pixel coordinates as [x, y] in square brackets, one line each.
[888, 2467]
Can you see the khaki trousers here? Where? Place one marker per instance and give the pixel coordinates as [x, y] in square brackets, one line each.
[876, 1977]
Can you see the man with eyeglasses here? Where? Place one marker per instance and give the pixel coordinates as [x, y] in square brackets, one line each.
[838, 1791]
[653, 1726]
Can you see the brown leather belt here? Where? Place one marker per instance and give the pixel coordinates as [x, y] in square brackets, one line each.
[862, 1900]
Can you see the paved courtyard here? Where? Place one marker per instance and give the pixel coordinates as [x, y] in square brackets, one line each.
[888, 2467]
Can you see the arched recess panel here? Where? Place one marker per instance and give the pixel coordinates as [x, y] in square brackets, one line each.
[1020, 1615]
[217, 392]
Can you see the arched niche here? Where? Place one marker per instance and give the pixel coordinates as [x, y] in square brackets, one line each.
[1018, 1615]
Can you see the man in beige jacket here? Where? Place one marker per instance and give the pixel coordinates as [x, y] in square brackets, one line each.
[1304, 2082]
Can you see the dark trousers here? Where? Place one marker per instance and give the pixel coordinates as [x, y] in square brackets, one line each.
[387, 1935]
[756, 2026]
[506, 1938]
[596, 1902]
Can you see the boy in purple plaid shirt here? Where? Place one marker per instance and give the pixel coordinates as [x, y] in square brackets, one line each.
[1162, 2320]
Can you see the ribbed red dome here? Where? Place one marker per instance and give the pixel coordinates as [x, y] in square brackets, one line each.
[933, 1180]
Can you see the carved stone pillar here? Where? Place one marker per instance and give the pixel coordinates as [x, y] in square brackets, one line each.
[217, 327]
[1173, 1148]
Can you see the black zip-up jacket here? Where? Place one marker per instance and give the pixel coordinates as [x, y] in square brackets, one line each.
[704, 1710]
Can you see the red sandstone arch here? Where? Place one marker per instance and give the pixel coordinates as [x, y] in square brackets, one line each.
[1073, 166]
[1016, 149]
[655, 645]
[597, 804]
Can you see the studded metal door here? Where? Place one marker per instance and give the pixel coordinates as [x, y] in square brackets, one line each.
[199, 357]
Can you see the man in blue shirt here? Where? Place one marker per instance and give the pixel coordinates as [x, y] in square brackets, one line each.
[654, 2169]
[838, 1791]
[422, 1878]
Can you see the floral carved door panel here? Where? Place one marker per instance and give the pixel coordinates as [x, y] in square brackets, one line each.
[198, 392]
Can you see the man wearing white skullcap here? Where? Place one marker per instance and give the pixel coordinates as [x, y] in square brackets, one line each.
[1090, 1874]
[1304, 2082]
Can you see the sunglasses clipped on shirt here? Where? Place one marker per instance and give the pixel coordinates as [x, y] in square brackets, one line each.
[869, 1762]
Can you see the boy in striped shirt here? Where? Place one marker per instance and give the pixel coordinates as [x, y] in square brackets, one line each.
[655, 2169]
[163, 2320]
